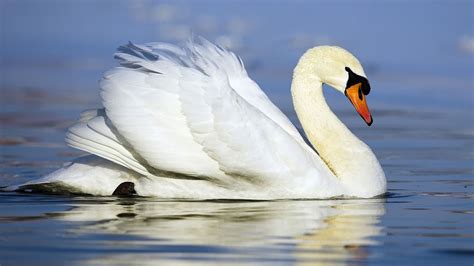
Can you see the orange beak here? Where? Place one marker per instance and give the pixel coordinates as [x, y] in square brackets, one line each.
[357, 98]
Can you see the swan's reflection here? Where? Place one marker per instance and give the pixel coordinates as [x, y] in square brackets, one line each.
[296, 232]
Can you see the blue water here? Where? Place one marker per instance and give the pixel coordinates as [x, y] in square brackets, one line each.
[418, 57]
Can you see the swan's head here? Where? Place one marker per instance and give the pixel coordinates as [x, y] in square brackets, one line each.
[341, 70]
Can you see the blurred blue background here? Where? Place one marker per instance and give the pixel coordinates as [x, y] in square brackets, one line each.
[417, 54]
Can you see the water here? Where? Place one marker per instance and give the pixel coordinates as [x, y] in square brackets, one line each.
[422, 102]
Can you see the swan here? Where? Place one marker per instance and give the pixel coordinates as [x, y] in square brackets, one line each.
[188, 122]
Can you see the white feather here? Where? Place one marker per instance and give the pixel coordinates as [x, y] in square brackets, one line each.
[190, 106]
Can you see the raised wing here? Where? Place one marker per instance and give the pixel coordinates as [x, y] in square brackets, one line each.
[195, 112]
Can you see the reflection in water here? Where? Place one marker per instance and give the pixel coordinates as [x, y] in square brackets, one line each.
[301, 232]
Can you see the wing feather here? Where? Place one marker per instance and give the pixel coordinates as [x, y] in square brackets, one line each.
[192, 111]
[93, 135]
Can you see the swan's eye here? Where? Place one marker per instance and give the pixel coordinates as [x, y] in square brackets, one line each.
[354, 79]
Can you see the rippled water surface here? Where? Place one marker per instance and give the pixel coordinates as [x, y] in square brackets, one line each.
[423, 134]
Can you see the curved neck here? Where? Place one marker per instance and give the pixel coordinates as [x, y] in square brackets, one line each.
[351, 160]
[328, 135]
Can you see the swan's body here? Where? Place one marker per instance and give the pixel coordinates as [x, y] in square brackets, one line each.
[190, 123]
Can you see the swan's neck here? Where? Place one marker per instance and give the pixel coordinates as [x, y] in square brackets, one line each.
[351, 160]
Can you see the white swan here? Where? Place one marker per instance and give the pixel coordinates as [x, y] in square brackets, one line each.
[189, 123]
